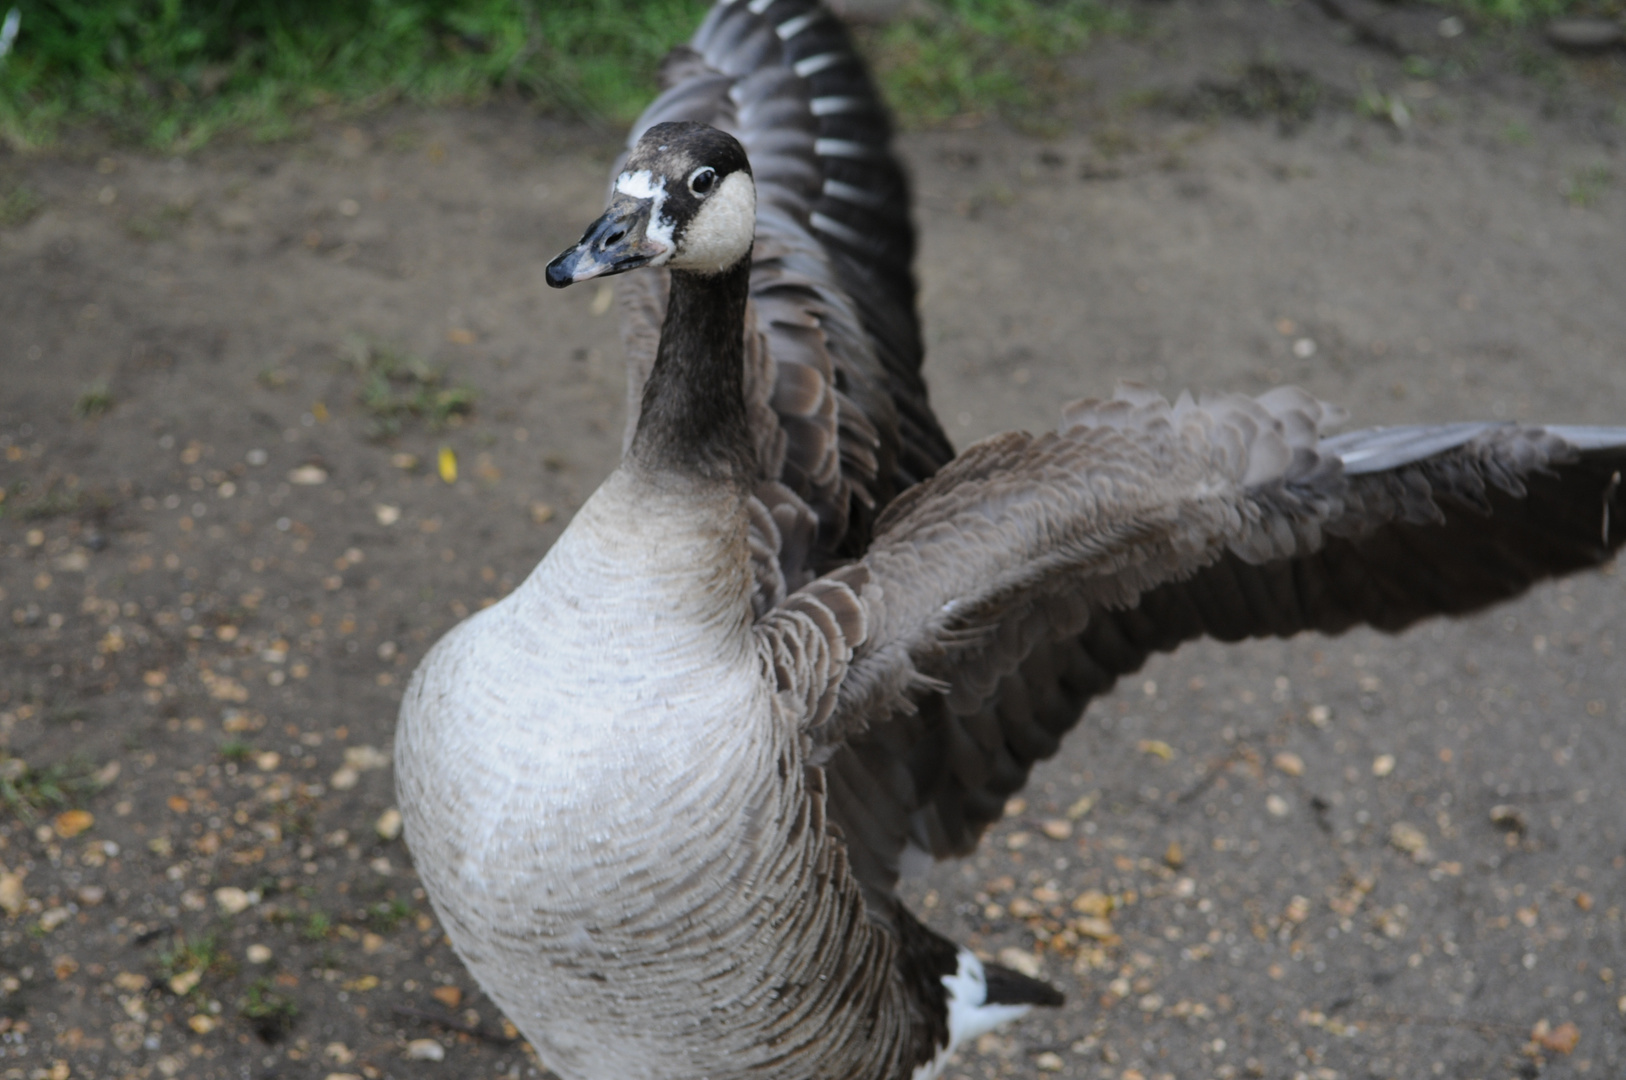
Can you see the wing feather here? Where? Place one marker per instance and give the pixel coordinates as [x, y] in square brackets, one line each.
[1032, 572]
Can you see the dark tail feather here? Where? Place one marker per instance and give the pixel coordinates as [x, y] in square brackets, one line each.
[1007, 987]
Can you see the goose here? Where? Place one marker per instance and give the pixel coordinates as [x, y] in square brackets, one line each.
[661, 793]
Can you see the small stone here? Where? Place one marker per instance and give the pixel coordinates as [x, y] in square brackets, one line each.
[1049, 1061]
[541, 513]
[343, 779]
[1020, 961]
[426, 1050]
[1383, 765]
[1510, 819]
[202, 1023]
[1408, 838]
[339, 1053]
[183, 984]
[1097, 929]
[388, 825]
[449, 996]
[371, 943]
[131, 982]
[386, 514]
[1174, 855]
[363, 758]
[1289, 763]
[308, 475]
[1057, 828]
[1093, 903]
[1277, 806]
[235, 901]
[13, 898]
[1151, 1003]
[1320, 715]
[267, 760]
[53, 918]
[258, 953]
[91, 895]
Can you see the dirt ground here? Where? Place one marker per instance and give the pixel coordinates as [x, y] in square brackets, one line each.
[1369, 857]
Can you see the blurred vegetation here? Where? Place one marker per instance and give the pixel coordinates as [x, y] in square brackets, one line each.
[1524, 11]
[968, 57]
[172, 74]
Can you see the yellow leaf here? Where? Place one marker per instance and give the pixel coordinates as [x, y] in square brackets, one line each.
[71, 823]
[319, 411]
[1156, 747]
[448, 465]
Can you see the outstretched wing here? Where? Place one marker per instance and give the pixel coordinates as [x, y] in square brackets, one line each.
[1139, 525]
[833, 344]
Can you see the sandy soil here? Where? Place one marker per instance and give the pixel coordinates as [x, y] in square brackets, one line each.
[214, 592]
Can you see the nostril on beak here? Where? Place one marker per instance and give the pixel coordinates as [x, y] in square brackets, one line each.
[615, 237]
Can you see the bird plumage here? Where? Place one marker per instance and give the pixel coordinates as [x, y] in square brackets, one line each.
[660, 793]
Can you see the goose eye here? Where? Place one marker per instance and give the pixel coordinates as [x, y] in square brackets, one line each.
[702, 180]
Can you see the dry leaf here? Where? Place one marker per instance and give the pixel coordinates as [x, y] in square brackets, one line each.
[71, 823]
[1560, 1040]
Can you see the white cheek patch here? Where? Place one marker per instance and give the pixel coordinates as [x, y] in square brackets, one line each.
[723, 229]
[644, 184]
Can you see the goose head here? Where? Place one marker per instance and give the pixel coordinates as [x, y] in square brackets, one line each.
[685, 201]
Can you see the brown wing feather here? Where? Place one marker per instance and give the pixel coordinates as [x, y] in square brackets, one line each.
[1034, 571]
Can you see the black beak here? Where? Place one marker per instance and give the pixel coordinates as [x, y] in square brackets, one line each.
[615, 243]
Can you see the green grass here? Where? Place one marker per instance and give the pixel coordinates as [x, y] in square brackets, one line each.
[396, 387]
[17, 206]
[1525, 11]
[973, 57]
[202, 954]
[96, 399]
[318, 927]
[386, 916]
[235, 749]
[270, 1013]
[25, 788]
[173, 74]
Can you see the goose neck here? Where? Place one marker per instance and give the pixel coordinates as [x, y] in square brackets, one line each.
[693, 419]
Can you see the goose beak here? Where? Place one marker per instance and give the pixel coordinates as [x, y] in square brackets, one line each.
[618, 241]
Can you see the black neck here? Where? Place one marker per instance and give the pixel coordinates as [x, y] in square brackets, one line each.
[693, 414]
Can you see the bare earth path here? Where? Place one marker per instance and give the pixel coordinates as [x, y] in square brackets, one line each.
[213, 593]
